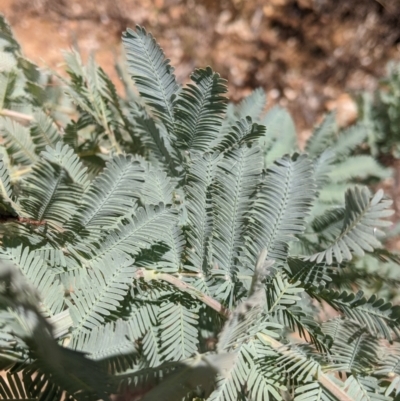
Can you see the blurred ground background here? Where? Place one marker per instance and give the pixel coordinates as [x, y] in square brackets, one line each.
[306, 54]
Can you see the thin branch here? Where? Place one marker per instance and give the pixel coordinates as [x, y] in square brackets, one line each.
[16, 114]
[148, 275]
[19, 173]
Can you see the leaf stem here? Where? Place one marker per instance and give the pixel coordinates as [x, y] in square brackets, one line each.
[19, 173]
[176, 282]
[16, 114]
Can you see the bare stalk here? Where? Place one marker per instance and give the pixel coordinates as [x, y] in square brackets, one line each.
[16, 114]
[176, 282]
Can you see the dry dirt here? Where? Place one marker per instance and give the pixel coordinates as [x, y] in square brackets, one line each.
[307, 54]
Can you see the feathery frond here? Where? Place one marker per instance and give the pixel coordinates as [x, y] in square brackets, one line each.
[200, 178]
[282, 204]
[280, 137]
[36, 274]
[111, 195]
[105, 287]
[239, 173]
[361, 167]
[323, 136]
[157, 187]
[178, 330]
[159, 142]
[309, 273]
[199, 110]
[348, 140]
[242, 132]
[359, 233]
[251, 106]
[353, 349]
[380, 318]
[65, 157]
[144, 229]
[49, 195]
[6, 191]
[152, 74]
[18, 142]
[43, 131]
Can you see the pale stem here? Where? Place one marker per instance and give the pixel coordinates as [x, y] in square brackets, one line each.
[16, 114]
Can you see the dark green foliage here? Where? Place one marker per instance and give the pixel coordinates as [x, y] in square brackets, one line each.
[170, 245]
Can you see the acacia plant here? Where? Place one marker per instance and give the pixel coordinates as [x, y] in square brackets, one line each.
[163, 247]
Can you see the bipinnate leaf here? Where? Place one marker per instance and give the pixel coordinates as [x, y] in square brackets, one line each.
[199, 110]
[363, 217]
[152, 74]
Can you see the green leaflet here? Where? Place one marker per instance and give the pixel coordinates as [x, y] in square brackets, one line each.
[157, 187]
[178, 331]
[103, 291]
[37, 275]
[282, 204]
[364, 387]
[312, 392]
[280, 136]
[238, 176]
[242, 132]
[252, 106]
[352, 346]
[379, 317]
[323, 136]
[49, 195]
[11, 85]
[362, 218]
[361, 166]
[44, 131]
[200, 178]
[109, 340]
[18, 142]
[152, 74]
[199, 110]
[6, 190]
[155, 136]
[111, 195]
[65, 157]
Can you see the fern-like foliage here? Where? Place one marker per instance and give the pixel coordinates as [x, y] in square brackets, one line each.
[18, 142]
[168, 246]
[153, 74]
[199, 110]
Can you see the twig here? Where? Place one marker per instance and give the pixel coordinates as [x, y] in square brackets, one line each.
[16, 114]
[21, 172]
[211, 302]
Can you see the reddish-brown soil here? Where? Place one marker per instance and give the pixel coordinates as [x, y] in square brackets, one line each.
[307, 54]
